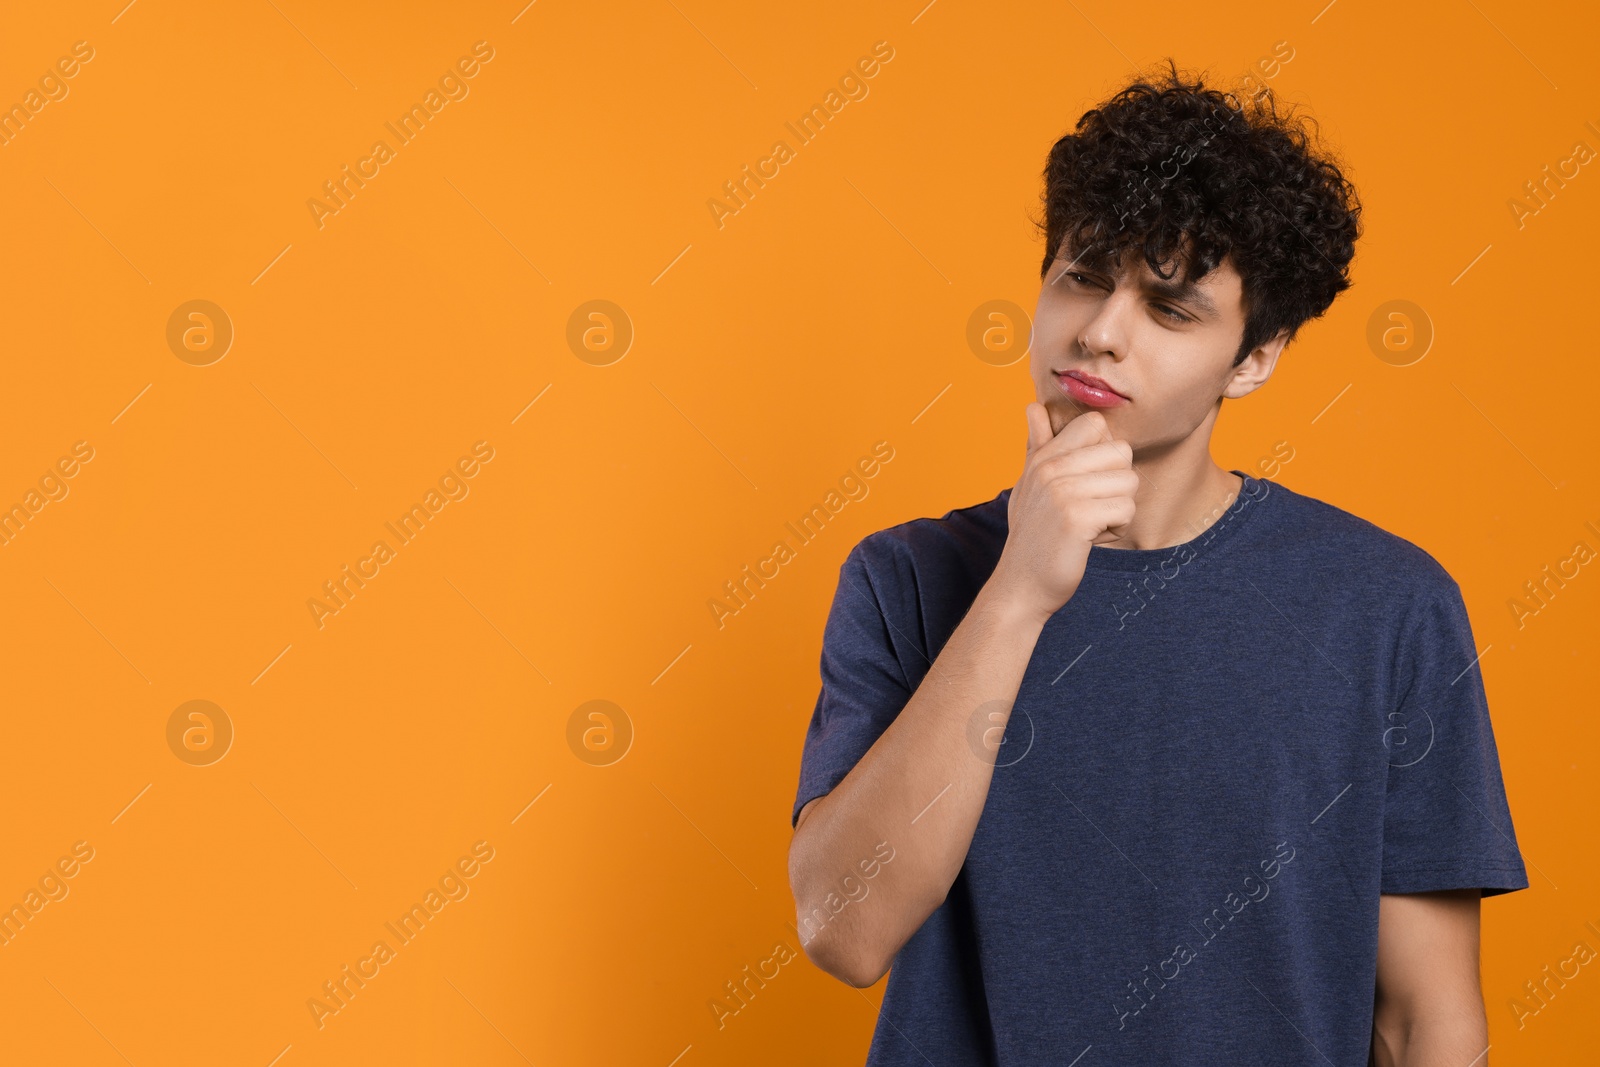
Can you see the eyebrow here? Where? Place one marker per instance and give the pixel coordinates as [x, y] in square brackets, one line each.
[1183, 293]
[1180, 292]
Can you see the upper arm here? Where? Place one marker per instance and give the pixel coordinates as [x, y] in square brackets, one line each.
[800, 820]
[1446, 820]
[1428, 958]
[864, 685]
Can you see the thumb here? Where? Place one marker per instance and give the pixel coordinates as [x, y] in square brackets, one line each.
[1039, 431]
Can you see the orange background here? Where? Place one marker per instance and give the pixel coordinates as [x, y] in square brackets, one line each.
[372, 752]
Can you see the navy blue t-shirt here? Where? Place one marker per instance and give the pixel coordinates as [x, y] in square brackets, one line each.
[1220, 754]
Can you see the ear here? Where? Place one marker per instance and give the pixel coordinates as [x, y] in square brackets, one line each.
[1257, 367]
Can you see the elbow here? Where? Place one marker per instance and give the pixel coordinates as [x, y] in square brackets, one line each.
[863, 979]
[845, 962]
[837, 948]
[844, 949]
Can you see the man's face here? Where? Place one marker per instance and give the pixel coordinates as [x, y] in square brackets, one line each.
[1168, 351]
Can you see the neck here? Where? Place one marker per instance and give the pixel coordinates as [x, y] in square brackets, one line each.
[1181, 493]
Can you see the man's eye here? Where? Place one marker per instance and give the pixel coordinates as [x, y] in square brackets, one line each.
[1170, 313]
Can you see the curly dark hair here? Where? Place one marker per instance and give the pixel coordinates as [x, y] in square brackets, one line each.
[1194, 173]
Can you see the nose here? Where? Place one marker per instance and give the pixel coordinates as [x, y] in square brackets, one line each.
[1108, 329]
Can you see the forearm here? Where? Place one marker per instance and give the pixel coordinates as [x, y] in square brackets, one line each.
[920, 788]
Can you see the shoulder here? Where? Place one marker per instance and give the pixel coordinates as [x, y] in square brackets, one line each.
[961, 532]
[964, 541]
[1321, 536]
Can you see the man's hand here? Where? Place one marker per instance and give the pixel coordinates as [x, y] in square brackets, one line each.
[1076, 489]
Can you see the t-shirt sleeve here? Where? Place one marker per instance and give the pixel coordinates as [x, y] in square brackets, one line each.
[863, 684]
[1446, 823]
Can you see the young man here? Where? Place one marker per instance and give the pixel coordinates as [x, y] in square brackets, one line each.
[1145, 761]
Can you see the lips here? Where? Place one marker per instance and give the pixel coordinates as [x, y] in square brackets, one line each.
[1100, 384]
